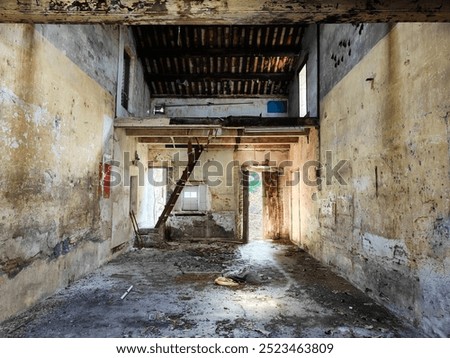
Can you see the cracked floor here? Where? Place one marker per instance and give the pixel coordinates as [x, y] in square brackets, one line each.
[287, 294]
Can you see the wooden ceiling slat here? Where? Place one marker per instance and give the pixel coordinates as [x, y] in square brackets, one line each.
[297, 37]
[196, 37]
[171, 38]
[219, 35]
[244, 38]
[282, 36]
[203, 37]
[236, 37]
[289, 35]
[274, 36]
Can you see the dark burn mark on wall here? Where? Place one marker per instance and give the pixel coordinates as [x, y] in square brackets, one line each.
[12, 267]
[61, 248]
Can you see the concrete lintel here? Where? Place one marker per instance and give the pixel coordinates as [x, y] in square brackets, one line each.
[215, 12]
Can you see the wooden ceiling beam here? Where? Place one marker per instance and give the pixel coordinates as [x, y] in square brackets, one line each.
[219, 52]
[225, 146]
[219, 12]
[198, 77]
[214, 122]
[220, 140]
[220, 132]
[249, 121]
[180, 132]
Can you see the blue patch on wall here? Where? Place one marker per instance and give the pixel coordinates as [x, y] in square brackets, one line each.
[277, 107]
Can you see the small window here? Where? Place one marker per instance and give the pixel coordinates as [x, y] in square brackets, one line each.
[302, 88]
[190, 198]
[277, 107]
[125, 95]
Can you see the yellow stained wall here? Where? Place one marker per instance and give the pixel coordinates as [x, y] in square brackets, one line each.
[55, 227]
[387, 229]
[303, 189]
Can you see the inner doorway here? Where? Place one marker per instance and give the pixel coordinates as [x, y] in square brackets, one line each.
[255, 207]
[157, 192]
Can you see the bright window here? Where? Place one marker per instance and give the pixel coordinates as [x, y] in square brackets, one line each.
[190, 198]
[302, 92]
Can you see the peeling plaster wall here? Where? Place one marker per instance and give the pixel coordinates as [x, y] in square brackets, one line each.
[387, 227]
[51, 209]
[56, 127]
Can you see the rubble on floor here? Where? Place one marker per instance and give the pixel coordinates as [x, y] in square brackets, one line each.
[282, 292]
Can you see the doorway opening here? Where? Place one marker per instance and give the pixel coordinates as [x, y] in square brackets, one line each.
[255, 207]
[157, 192]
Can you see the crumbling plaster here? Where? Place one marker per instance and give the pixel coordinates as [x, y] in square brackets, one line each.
[56, 126]
[222, 11]
[51, 228]
[387, 227]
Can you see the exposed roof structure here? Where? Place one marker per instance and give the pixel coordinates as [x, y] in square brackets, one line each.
[219, 61]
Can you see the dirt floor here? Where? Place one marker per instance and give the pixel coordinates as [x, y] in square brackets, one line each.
[286, 294]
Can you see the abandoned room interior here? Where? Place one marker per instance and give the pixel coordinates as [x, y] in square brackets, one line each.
[300, 149]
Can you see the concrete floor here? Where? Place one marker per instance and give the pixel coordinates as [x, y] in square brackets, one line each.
[289, 294]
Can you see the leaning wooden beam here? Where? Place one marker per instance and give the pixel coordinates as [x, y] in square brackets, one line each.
[193, 157]
[216, 12]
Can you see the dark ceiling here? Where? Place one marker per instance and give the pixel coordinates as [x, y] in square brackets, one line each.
[219, 61]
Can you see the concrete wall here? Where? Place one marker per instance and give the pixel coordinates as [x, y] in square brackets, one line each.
[386, 228]
[57, 107]
[88, 46]
[192, 107]
[308, 57]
